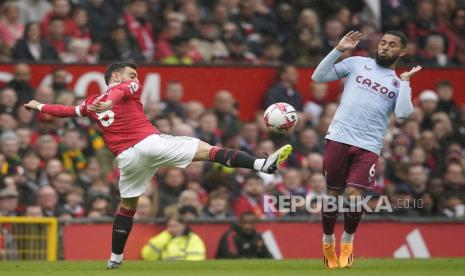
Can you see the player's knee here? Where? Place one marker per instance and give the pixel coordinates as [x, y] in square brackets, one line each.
[130, 203]
[333, 192]
[354, 192]
[203, 151]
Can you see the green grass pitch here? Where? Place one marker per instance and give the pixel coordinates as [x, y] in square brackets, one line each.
[440, 266]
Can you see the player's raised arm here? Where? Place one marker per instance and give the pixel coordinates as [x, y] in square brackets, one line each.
[326, 70]
[56, 110]
[404, 106]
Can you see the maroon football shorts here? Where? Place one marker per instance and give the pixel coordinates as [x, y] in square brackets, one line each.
[348, 166]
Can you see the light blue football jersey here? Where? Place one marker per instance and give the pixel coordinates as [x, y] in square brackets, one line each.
[368, 100]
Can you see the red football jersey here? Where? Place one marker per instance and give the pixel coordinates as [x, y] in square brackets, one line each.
[125, 124]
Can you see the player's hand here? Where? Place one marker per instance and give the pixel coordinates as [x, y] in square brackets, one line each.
[99, 107]
[349, 41]
[32, 105]
[408, 74]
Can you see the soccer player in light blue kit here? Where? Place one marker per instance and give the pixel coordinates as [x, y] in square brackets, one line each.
[372, 92]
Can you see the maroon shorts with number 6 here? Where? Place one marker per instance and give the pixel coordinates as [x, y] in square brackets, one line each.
[346, 165]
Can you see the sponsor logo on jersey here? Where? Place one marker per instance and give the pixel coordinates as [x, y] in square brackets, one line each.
[375, 86]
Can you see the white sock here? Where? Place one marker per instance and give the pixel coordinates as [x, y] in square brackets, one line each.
[258, 164]
[116, 257]
[328, 238]
[347, 238]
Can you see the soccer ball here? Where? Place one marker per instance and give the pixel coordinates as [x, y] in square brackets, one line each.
[280, 117]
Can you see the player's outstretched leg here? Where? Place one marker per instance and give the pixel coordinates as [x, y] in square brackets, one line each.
[329, 218]
[239, 159]
[351, 221]
[122, 225]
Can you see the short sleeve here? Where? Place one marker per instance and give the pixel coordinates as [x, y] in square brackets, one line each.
[346, 66]
[130, 88]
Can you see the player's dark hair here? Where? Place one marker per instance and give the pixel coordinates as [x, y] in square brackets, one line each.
[117, 67]
[401, 35]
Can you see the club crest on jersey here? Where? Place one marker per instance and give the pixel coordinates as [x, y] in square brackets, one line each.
[375, 86]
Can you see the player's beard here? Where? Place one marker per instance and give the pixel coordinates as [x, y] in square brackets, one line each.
[385, 61]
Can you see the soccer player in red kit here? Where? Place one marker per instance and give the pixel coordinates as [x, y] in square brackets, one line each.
[140, 148]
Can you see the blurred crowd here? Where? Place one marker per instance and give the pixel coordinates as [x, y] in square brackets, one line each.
[266, 32]
[61, 167]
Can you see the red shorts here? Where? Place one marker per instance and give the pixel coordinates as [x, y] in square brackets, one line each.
[346, 165]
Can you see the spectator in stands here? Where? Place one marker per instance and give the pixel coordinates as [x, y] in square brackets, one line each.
[11, 28]
[416, 180]
[119, 46]
[32, 47]
[60, 81]
[238, 51]
[78, 52]
[333, 31]
[454, 180]
[47, 147]
[136, 18]
[81, 20]
[171, 186]
[172, 104]
[174, 28]
[224, 108]
[74, 202]
[10, 149]
[243, 241]
[316, 187]
[434, 52]
[251, 198]
[61, 9]
[292, 185]
[180, 49]
[71, 151]
[307, 142]
[314, 108]
[8, 101]
[90, 174]
[30, 185]
[306, 48]
[192, 19]
[103, 14]
[62, 183]
[33, 211]
[177, 242]
[457, 29]
[428, 103]
[271, 54]
[33, 10]
[47, 199]
[284, 89]
[217, 206]
[249, 136]
[144, 208]
[209, 43]
[21, 83]
[100, 205]
[446, 102]
[208, 129]
[57, 36]
[45, 94]
[193, 112]
[9, 202]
